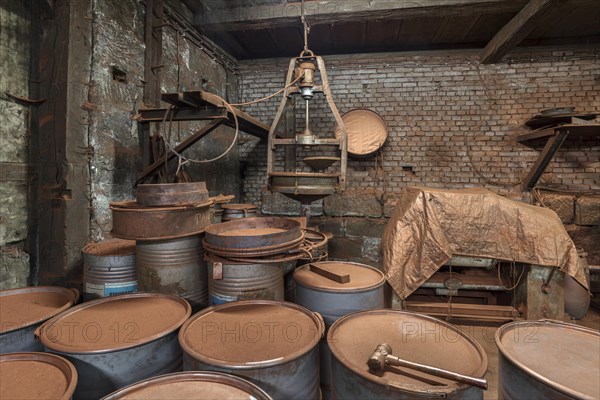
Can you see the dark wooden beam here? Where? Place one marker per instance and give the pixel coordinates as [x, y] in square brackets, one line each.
[335, 11]
[516, 30]
[552, 145]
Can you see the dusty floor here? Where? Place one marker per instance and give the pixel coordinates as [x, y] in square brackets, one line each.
[484, 334]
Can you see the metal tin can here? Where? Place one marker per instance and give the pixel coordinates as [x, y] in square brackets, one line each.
[39, 376]
[109, 268]
[116, 341]
[23, 310]
[333, 300]
[412, 337]
[272, 344]
[548, 359]
[191, 385]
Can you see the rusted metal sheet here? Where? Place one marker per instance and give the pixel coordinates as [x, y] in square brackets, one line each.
[171, 194]
[135, 222]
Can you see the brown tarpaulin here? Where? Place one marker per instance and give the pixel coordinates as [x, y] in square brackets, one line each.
[429, 226]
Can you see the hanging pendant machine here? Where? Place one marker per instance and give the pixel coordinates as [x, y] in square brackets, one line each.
[290, 179]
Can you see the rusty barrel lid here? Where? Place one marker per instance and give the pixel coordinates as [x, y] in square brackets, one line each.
[251, 334]
[114, 323]
[36, 376]
[23, 307]
[110, 247]
[240, 207]
[170, 194]
[413, 337]
[366, 131]
[362, 277]
[563, 356]
[193, 386]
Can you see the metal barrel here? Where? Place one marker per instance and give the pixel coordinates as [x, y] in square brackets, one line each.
[116, 341]
[174, 266]
[413, 337]
[272, 344]
[333, 300]
[189, 385]
[547, 359]
[232, 281]
[237, 211]
[35, 375]
[109, 268]
[23, 310]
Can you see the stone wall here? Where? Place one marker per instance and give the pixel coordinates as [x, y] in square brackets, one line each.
[452, 124]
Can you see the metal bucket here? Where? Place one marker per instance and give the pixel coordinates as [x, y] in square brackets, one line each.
[36, 375]
[548, 360]
[116, 341]
[237, 211]
[191, 385]
[334, 300]
[23, 310]
[413, 337]
[232, 281]
[272, 344]
[175, 267]
[109, 268]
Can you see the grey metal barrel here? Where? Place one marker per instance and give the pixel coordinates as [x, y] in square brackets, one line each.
[251, 280]
[116, 341]
[191, 385]
[413, 337]
[548, 359]
[109, 268]
[22, 310]
[36, 376]
[333, 300]
[272, 344]
[174, 266]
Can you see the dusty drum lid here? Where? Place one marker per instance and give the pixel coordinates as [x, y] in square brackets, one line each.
[28, 306]
[193, 386]
[366, 130]
[362, 277]
[170, 194]
[269, 333]
[110, 248]
[413, 337]
[564, 356]
[36, 376]
[114, 323]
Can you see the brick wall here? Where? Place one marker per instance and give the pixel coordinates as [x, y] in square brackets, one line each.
[452, 123]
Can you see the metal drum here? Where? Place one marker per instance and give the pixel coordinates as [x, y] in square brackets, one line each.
[413, 337]
[251, 280]
[191, 385]
[116, 341]
[109, 268]
[237, 211]
[333, 300]
[38, 376]
[23, 310]
[272, 344]
[174, 266]
[548, 360]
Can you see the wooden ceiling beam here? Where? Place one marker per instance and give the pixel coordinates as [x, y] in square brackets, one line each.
[517, 29]
[334, 11]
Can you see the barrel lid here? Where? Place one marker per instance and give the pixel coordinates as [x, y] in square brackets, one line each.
[114, 323]
[36, 376]
[250, 334]
[236, 207]
[362, 277]
[191, 385]
[365, 129]
[412, 337]
[110, 247]
[560, 355]
[23, 307]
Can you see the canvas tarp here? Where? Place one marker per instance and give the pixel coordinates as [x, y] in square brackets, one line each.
[429, 226]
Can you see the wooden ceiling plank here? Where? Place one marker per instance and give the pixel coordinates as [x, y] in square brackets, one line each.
[516, 30]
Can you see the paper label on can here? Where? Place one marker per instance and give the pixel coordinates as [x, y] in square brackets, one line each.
[110, 289]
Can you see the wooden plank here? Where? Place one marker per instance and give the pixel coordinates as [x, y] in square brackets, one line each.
[329, 275]
[551, 147]
[199, 134]
[180, 114]
[516, 30]
[574, 130]
[335, 11]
